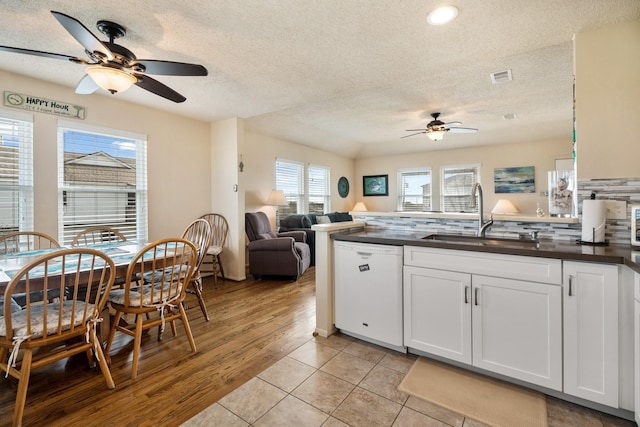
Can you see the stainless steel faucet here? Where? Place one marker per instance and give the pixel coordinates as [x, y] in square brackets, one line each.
[482, 226]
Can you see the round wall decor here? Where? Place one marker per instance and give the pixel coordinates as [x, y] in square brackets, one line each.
[343, 187]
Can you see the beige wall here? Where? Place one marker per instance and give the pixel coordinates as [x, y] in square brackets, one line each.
[607, 65]
[178, 191]
[541, 155]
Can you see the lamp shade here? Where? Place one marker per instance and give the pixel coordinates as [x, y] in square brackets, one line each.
[111, 79]
[359, 207]
[436, 135]
[504, 206]
[277, 198]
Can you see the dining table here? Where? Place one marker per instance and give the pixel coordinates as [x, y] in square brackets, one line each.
[121, 252]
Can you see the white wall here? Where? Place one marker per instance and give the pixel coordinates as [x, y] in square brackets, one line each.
[178, 155]
[541, 155]
[226, 191]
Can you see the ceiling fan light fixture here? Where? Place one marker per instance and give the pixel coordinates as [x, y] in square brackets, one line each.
[442, 15]
[436, 135]
[111, 79]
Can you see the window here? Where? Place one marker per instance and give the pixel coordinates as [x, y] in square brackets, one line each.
[310, 196]
[456, 183]
[290, 179]
[319, 189]
[102, 180]
[16, 172]
[414, 194]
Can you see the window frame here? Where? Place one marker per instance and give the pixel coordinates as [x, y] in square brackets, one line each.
[463, 192]
[401, 200]
[139, 231]
[326, 190]
[20, 202]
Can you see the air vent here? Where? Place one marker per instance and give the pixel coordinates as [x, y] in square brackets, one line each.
[510, 116]
[501, 77]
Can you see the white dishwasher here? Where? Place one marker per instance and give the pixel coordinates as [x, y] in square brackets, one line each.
[368, 292]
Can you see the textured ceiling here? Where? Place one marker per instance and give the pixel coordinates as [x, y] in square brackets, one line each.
[347, 76]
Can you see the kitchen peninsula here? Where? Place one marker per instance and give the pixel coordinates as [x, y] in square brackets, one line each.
[583, 353]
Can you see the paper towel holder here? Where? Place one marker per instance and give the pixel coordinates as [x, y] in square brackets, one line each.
[593, 242]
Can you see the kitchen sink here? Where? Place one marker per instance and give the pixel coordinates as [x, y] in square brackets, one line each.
[482, 241]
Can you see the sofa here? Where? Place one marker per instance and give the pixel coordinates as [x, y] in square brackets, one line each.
[303, 222]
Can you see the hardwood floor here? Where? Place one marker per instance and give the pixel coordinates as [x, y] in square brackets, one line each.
[253, 324]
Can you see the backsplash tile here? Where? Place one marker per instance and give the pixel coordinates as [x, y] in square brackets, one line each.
[617, 230]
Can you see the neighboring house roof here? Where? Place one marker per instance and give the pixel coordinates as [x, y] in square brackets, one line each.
[99, 167]
[99, 158]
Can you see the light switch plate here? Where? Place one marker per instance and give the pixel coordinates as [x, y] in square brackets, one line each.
[616, 209]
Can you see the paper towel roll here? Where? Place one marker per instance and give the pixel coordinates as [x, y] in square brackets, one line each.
[594, 215]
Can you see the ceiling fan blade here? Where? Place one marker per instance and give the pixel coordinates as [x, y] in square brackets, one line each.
[160, 89]
[417, 133]
[45, 54]
[82, 34]
[86, 85]
[170, 68]
[416, 130]
[462, 130]
[453, 124]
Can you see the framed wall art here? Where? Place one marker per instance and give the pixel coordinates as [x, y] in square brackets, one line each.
[514, 180]
[375, 185]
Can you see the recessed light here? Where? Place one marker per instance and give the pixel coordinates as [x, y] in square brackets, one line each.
[442, 15]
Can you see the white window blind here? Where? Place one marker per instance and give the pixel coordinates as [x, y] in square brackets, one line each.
[102, 180]
[456, 184]
[414, 194]
[319, 189]
[16, 172]
[290, 179]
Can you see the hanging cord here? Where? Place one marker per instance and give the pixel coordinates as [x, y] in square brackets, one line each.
[13, 357]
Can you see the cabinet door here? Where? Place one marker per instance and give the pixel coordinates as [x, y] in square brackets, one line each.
[517, 329]
[591, 331]
[437, 312]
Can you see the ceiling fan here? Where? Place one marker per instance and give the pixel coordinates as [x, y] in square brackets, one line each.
[113, 67]
[436, 129]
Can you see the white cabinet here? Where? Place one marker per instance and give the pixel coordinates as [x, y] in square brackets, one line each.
[503, 325]
[636, 324]
[517, 329]
[437, 312]
[590, 302]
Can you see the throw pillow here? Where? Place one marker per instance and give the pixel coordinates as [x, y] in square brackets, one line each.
[323, 219]
[306, 221]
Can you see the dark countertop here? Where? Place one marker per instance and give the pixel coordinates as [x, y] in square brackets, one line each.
[614, 254]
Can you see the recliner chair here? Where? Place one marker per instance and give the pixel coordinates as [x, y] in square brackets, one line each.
[275, 254]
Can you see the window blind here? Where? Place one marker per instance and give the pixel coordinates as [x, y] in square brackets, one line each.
[290, 179]
[319, 189]
[414, 194]
[456, 185]
[102, 180]
[16, 172]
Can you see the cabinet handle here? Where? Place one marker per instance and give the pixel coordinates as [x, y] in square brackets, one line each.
[466, 295]
[476, 295]
[570, 285]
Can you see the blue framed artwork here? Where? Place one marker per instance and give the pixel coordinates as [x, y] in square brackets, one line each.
[375, 185]
[514, 180]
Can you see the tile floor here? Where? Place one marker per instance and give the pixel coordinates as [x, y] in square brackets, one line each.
[341, 381]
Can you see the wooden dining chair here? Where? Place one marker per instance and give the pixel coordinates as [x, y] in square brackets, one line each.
[96, 235]
[199, 233]
[21, 241]
[219, 233]
[164, 293]
[47, 333]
